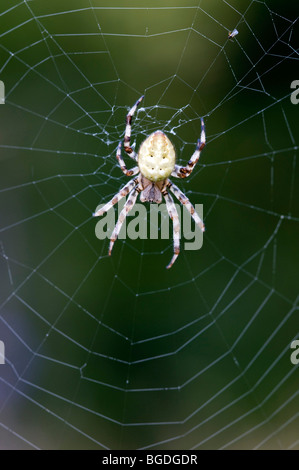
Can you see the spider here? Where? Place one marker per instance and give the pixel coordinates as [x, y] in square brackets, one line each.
[155, 163]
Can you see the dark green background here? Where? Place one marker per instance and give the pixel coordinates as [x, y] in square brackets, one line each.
[216, 368]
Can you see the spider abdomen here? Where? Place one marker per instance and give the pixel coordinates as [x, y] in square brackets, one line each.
[156, 157]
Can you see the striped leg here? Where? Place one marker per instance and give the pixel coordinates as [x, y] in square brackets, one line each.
[173, 214]
[122, 216]
[185, 201]
[122, 164]
[122, 193]
[184, 171]
[127, 139]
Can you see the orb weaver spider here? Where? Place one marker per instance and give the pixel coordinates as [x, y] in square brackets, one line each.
[155, 163]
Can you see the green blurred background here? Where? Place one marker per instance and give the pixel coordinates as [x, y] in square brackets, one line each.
[118, 352]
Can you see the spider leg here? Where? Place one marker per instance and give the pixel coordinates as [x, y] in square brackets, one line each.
[122, 164]
[173, 214]
[185, 201]
[127, 138]
[122, 216]
[184, 171]
[122, 193]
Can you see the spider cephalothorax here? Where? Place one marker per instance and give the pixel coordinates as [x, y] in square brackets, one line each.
[156, 162]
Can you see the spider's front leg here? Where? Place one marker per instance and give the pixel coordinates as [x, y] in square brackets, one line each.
[122, 216]
[186, 203]
[173, 214]
[127, 138]
[185, 171]
[122, 193]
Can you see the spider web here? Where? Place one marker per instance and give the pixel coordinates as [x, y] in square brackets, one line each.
[117, 352]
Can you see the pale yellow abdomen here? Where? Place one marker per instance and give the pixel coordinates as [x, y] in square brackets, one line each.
[156, 157]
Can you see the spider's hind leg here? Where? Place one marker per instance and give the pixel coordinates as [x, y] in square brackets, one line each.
[185, 171]
[122, 164]
[127, 138]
